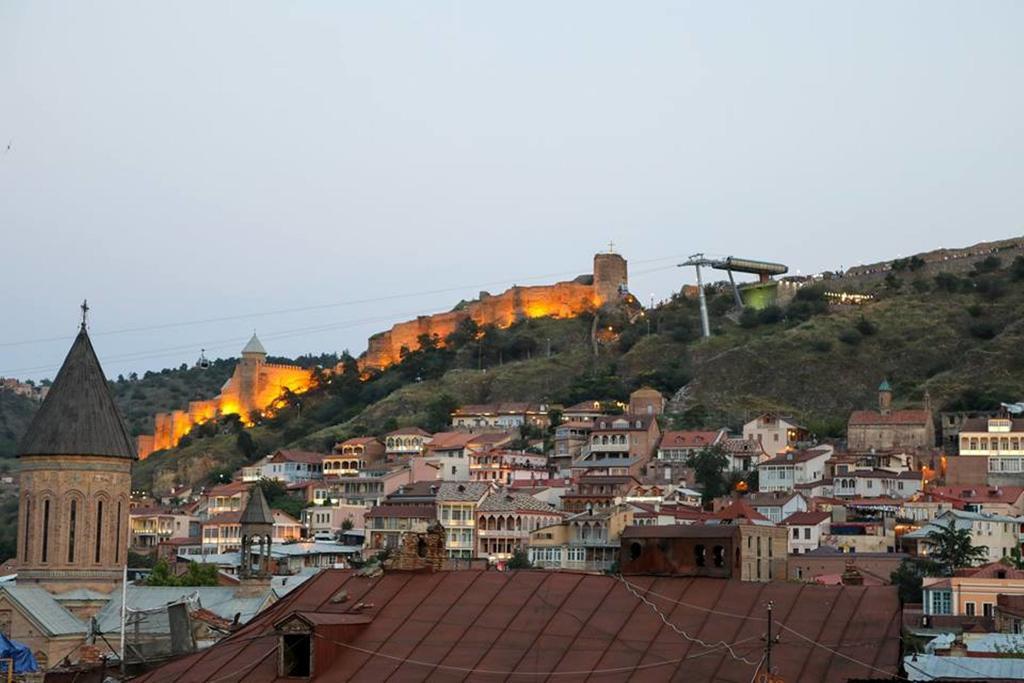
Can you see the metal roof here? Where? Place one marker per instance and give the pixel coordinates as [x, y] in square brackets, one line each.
[39, 606]
[932, 667]
[221, 600]
[464, 625]
[254, 346]
[257, 510]
[78, 415]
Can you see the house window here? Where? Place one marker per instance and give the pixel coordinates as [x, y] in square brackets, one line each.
[796, 533]
[296, 654]
[969, 609]
[987, 609]
[941, 602]
[807, 533]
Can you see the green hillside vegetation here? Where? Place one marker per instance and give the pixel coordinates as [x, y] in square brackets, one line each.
[15, 414]
[958, 338]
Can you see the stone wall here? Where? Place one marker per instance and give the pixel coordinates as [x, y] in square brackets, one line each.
[957, 261]
[560, 300]
[254, 385]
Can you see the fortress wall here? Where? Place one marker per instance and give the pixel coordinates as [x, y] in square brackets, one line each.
[957, 261]
[253, 386]
[561, 300]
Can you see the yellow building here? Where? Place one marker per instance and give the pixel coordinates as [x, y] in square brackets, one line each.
[972, 592]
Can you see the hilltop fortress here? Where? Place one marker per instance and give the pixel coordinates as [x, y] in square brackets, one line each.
[561, 300]
[255, 385]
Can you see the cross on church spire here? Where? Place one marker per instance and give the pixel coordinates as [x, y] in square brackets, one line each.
[85, 313]
[611, 247]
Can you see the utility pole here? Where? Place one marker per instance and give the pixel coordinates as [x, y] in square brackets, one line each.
[769, 641]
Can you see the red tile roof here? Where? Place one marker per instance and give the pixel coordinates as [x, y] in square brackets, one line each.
[468, 625]
[793, 457]
[409, 431]
[739, 511]
[992, 570]
[978, 493]
[808, 518]
[299, 456]
[896, 417]
[690, 439]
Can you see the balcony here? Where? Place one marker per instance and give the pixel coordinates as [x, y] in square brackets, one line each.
[503, 533]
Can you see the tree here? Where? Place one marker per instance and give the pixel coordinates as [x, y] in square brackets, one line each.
[439, 413]
[952, 548]
[196, 575]
[520, 560]
[909, 575]
[708, 469]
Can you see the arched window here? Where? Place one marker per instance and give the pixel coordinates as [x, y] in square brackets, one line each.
[699, 555]
[28, 526]
[72, 524]
[117, 536]
[99, 529]
[718, 556]
[45, 555]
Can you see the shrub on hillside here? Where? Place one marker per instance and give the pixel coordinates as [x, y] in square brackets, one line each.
[989, 264]
[866, 327]
[1017, 269]
[983, 329]
[991, 287]
[948, 282]
[851, 337]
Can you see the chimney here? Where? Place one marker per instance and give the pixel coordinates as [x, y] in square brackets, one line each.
[851, 575]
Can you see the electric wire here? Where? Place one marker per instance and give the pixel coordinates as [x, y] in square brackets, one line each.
[679, 631]
[150, 354]
[317, 307]
[781, 625]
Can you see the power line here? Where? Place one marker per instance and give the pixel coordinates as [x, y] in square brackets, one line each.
[681, 632]
[317, 307]
[746, 617]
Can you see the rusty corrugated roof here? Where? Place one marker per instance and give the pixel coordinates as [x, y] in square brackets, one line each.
[483, 625]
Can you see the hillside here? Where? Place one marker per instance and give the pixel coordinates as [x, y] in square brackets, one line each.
[955, 335]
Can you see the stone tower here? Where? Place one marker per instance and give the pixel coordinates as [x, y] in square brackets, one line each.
[610, 276]
[885, 397]
[76, 469]
[257, 530]
[254, 357]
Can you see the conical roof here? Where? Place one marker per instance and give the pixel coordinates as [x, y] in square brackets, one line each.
[254, 346]
[257, 510]
[885, 386]
[78, 416]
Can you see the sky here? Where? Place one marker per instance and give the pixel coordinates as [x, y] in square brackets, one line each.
[198, 170]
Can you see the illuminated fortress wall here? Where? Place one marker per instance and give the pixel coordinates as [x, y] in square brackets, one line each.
[255, 385]
[561, 300]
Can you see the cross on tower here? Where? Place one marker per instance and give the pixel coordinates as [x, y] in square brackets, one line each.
[611, 247]
[85, 313]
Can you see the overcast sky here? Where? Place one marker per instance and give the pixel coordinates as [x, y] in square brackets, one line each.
[186, 161]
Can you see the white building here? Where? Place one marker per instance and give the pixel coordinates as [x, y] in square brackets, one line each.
[805, 530]
[774, 432]
[786, 470]
[875, 483]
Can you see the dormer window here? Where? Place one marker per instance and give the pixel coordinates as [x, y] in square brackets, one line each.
[296, 655]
